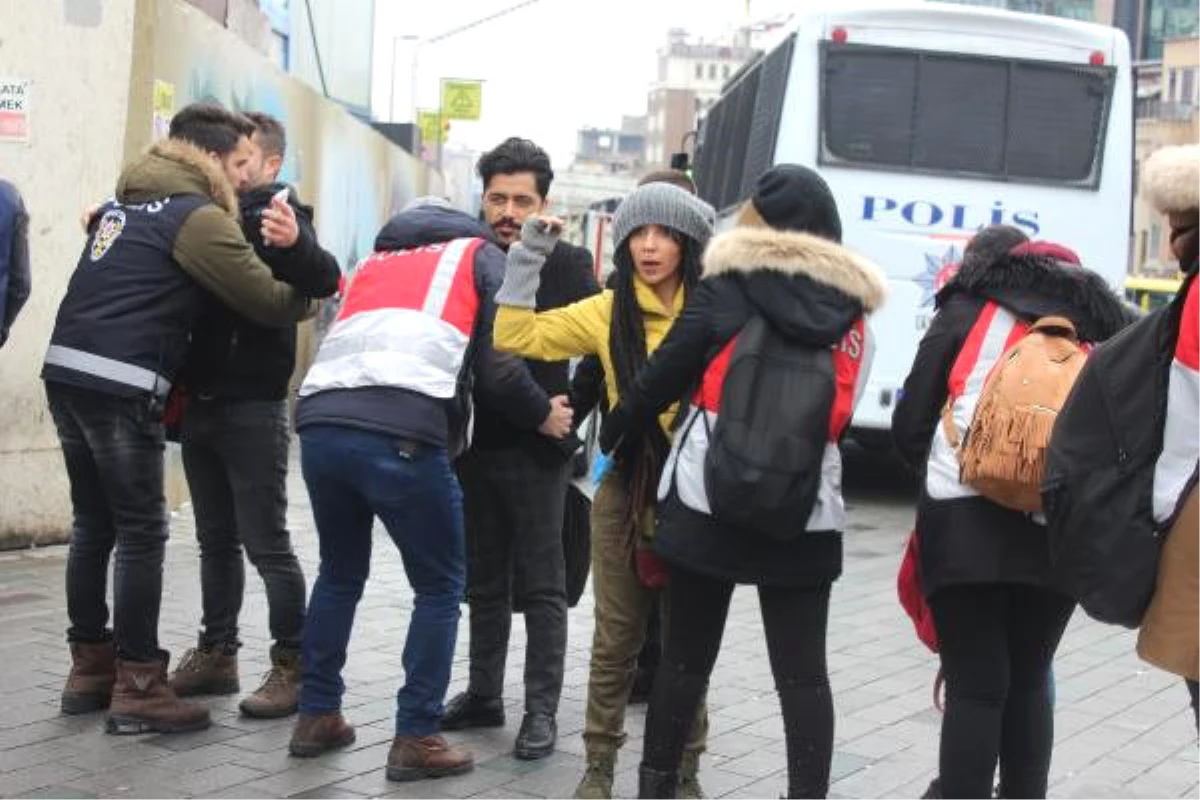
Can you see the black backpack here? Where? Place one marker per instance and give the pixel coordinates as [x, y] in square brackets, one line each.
[1099, 482]
[763, 467]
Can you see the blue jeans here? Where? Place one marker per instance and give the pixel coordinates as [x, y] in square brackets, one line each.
[354, 476]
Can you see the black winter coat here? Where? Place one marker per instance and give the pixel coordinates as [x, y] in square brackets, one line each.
[233, 358]
[971, 539]
[567, 277]
[811, 291]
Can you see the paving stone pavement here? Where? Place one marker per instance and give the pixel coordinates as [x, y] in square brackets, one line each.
[1123, 729]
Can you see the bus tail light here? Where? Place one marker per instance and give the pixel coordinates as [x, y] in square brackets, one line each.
[1096, 59]
[839, 35]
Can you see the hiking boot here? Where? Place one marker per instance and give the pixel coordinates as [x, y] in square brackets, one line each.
[689, 776]
[279, 695]
[207, 670]
[143, 702]
[468, 710]
[415, 757]
[537, 737]
[315, 734]
[654, 784]
[90, 681]
[597, 781]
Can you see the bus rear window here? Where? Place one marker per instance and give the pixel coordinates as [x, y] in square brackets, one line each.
[935, 112]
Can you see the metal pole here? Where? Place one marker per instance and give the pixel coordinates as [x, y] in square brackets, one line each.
[392, 85]
[416, 63]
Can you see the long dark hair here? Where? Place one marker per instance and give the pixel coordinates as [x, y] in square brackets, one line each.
[642, 460]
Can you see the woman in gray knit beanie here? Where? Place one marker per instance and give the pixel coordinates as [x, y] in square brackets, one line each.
[660, 232]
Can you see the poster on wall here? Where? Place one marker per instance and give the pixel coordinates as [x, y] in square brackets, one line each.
[164, 108]
[14, 109]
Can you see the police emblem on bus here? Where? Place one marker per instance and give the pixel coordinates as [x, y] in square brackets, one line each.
[110, 227]
[939, 269]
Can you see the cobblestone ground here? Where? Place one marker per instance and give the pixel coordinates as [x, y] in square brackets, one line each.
[1123, 729]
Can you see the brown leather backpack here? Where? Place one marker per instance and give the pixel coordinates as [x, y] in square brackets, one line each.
[1003, 455]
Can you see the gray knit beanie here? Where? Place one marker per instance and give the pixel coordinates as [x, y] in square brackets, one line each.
[666, 205]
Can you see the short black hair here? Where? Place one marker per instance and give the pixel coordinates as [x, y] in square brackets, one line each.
[675, 177]
[517, 155]
[270, 133]
[210, 127]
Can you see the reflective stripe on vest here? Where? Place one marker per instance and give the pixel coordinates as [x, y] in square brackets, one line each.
[994, 331]
[108, 369]
[1181, 448]
[406, 323]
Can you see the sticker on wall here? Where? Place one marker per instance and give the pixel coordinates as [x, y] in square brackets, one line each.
[14, 109]
[164, 107]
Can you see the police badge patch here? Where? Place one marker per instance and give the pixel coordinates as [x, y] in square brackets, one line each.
[110, 227]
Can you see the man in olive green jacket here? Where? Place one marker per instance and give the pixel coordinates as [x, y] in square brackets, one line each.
[166, 245]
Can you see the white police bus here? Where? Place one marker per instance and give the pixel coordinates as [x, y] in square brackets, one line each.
[928, 122]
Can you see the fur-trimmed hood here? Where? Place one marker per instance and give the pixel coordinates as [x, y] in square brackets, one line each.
[810, 289]
[1037, 286]
[747, 250]
[1171, 179]
[173, 166]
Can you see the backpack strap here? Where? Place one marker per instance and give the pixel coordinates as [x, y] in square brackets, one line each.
[948, 426]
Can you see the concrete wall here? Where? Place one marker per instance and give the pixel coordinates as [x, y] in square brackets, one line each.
[78, 113]
[92, 107]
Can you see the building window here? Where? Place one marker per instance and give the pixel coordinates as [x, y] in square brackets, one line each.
[1187, 86]
[725, 72]
[1155, 240]
[1171, 75]
[712, 72]
[699, 71]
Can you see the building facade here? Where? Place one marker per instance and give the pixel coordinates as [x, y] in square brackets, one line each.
[1166, 116]
[690, 77]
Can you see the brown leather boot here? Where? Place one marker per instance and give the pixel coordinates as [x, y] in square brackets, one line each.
[315, 734]
[207, 670]
[143, 702]
[279, 695]
[415, 757]
[90, 681]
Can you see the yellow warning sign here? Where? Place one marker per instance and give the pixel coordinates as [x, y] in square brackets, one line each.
[462, 99]
[431, 131]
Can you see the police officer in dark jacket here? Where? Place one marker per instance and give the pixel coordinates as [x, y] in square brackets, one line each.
[156, 256]
[515, 484]
[235, 439]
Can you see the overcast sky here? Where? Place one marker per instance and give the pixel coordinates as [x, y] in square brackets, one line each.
[549, 69]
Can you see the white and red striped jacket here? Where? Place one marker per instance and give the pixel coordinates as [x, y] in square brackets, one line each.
[1181, 433]
[408, 334]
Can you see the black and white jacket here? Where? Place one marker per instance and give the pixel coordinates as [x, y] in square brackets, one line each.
[812, 291]
[966, 538]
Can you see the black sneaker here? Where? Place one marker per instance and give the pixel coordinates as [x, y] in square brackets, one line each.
[539, 734]
[471, 711]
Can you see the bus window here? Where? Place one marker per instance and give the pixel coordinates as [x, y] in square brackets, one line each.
[957, 113]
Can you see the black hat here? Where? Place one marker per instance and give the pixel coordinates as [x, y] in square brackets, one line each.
[795, 198]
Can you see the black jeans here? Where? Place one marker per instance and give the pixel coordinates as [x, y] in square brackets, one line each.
[235, 455]
[113, 447]
[514, 515]
[997, 642]
[794, 620]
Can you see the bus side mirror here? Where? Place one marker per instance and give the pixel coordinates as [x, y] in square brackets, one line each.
[679, 161]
